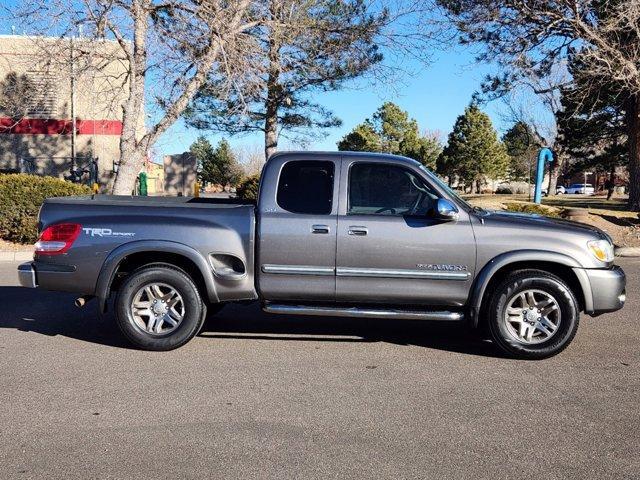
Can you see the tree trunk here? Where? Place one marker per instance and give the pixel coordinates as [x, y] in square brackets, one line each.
[131, 161]
[132, 153]
[271, 132]
[611, 186]
[554, 173]
[273, 89]
[633, 131]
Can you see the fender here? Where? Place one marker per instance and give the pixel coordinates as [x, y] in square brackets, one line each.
[496, 263]
[113, 260]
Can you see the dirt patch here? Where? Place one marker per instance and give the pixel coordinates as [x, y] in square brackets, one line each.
[624, 231]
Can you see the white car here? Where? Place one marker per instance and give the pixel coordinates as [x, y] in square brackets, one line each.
[560, 190]
[580, 188]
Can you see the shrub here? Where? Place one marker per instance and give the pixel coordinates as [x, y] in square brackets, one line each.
[21, 196]
[504, 190]
[531, 208]
[248, 188]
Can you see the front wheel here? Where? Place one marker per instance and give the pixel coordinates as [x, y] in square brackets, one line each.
[158, 307]
[533, 315]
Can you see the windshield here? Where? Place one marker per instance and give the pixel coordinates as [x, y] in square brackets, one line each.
[432, 176]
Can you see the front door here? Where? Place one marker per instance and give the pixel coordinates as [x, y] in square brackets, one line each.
[297, 229]
[391, 249]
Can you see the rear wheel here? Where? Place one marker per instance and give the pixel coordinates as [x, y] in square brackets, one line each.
[158, 307]
[532, 314]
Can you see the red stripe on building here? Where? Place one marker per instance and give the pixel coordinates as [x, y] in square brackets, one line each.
[39, 126]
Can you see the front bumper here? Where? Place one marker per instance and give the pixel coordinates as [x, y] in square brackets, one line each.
[27, 275]
[608, 289]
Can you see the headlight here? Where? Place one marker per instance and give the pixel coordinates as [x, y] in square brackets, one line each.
[601, 249]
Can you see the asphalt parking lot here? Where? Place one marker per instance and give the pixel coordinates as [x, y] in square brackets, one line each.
[260, 396]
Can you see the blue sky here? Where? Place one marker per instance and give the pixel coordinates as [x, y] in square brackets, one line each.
[434, 96]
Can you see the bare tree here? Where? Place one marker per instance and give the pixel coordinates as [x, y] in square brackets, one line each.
[531, 38]
[169, 48]
[536, 102]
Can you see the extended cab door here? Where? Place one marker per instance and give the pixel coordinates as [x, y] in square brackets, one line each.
[391, 249]
[297, 224]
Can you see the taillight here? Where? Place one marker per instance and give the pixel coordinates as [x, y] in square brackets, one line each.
[57, 239]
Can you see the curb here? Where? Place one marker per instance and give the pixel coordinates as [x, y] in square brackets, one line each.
[627, 251]
[12, 256]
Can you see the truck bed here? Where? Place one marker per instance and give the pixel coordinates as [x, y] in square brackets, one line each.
[215, 232]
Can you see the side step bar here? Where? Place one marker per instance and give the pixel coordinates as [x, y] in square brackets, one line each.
[356, 312]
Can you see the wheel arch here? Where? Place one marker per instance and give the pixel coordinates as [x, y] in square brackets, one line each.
[559, 264]
[135, 254]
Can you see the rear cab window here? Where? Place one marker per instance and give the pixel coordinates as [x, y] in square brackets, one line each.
[306, 187]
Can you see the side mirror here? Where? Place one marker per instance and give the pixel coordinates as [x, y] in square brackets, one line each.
[446, 210]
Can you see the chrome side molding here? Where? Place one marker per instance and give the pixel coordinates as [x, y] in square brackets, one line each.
[362, 312]
[391, 273]
[298, 269]
[365, 272]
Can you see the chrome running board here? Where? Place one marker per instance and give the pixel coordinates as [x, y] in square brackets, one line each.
[362, 312]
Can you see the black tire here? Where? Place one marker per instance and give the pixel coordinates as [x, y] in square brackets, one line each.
[194, 308]
[520, 281]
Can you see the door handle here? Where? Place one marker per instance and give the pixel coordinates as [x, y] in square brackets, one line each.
[319, 228]
[358, 231]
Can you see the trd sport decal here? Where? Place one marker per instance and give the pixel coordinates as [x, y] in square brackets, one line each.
[106, 232]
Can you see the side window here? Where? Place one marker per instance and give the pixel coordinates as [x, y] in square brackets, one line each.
[382, 189]
[306, 187]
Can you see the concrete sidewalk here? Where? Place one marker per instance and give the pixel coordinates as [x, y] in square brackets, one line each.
[15, 256]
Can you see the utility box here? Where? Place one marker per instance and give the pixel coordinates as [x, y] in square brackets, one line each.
[180, 174]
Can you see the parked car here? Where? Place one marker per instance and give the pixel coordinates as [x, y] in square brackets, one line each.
[339, 234]
[559, 190]
[580, 188]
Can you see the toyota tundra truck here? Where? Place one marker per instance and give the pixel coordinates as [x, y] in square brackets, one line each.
[332, 234]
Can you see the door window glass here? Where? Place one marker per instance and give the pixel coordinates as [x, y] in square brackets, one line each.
[306, 187]
[382, 189]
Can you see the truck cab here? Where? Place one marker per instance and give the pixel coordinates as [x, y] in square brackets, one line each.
[361, 229]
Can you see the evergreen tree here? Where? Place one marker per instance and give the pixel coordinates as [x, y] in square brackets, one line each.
[216, 166]
[305, 47]
[592, 130]
[363, 138]
[391, 130]
[522, 144]
[473, 151]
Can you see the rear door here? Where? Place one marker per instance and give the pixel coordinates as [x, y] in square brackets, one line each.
[391, 250]
[297, 227]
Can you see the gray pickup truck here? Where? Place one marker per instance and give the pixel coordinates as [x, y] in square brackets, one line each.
[341, 234]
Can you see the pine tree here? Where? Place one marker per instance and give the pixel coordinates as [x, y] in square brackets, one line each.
[216, 166]
[522, 144]
[473, 151]
[592, 131]
[391, 130]
[306, 47]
